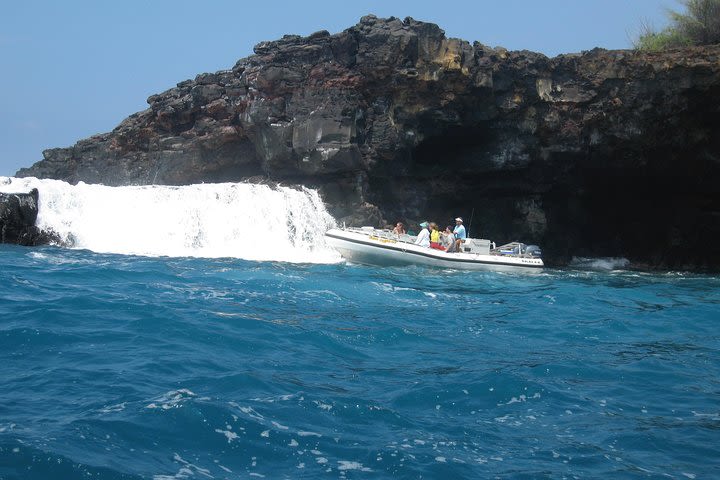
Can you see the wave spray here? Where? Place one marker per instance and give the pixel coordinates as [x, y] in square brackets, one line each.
[254, 222]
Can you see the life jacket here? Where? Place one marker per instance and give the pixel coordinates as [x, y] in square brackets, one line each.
[435, 236]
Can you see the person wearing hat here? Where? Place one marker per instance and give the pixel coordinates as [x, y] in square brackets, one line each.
[460, 234]
[423, 238]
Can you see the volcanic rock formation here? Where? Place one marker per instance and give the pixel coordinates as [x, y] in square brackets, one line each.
[18, 213]
[604, 153]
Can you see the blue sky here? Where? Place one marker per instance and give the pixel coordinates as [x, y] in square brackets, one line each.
[76, 68]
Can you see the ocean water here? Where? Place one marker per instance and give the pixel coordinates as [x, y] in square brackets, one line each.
[236, 355]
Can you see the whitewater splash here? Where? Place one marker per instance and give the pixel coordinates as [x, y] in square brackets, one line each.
[253, 222]
[602, 264]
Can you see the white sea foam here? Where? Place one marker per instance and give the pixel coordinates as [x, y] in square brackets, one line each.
[249, 411]
[171, 399]
[603, 263]
[112, 408]
[519, 399]
[229, 434]
[322, 406]
[278, 425]
[254, 222]
[186, 470]
[714, 416]
[349, 465]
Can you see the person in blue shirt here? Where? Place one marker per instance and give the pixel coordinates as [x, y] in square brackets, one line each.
[459, 233]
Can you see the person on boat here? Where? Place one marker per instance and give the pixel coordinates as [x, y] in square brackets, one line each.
[449, 241]
[459, 233]
[399, 229]
[435, 237]
[423, 238]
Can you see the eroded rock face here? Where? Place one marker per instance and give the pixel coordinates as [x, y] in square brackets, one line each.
[604, 153]
[18, 213]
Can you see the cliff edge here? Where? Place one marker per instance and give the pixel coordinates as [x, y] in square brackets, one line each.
[603, 153]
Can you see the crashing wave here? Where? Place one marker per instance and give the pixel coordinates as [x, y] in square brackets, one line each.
[253, 222]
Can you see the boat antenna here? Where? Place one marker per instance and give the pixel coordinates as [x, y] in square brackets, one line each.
[470, 224]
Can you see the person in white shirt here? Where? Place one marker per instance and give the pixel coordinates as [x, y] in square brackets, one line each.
[459, 233]
[423, 238]
[449, 241]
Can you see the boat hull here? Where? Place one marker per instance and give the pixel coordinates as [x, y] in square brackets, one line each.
[369, 249]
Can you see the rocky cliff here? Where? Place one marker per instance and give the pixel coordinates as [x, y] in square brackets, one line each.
[604, 153]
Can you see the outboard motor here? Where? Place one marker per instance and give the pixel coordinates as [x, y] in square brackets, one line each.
[533, 251]
[520, 249]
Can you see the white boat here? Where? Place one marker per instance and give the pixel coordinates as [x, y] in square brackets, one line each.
[372, 246]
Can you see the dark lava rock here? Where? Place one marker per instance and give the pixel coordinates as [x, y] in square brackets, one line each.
[602, 153]
[18, 212]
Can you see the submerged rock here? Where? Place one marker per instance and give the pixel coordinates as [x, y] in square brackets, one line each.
[602, 153]
[18, 213]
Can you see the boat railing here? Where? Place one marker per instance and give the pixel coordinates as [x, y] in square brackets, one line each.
[384, 234]
[479, 246]
[471, 245]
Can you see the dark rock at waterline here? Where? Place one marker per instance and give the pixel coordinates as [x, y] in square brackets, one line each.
[18, 213]
[603, 153]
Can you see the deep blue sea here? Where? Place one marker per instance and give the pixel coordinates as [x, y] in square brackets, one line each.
[131, 367]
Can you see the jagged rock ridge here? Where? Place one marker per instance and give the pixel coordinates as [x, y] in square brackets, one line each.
[600, 153]
[18, 213]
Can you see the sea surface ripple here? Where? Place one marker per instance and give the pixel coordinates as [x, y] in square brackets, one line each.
[128, 367]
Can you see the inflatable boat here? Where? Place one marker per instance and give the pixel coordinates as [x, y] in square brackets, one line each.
[368, 245]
